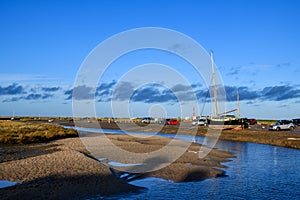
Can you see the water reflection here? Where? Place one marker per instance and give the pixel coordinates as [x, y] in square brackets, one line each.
[275, 161]
[258, 172]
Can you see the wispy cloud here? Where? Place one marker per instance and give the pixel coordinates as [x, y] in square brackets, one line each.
[50, 89]
[27, 78]
[244, 93]
[69, 94]
[270, 93]
[279, 93]
[156, 93]
[178, 48]
[37, 96]
[254, 68]
[32, 96]
[105, 88]
[234, 71]
[103, 92]
[285, 64]
[81, 92]
[123, 91]
[151, 93]
[16, 92]
[12, 89]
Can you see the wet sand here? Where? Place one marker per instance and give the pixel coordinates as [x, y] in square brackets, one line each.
[64, 169]
[57, 170]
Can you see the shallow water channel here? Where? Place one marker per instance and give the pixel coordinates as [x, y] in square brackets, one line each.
[258, 172]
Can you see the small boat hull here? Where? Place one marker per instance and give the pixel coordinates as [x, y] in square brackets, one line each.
[225, 124]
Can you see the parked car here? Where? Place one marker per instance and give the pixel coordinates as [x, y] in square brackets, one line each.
[296, 122]
[171, 122]
[282, 125]
[244, 122]
[252, 121]
[147, 120]
[200, 122]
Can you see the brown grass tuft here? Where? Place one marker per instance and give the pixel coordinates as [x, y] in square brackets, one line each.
[23, 133]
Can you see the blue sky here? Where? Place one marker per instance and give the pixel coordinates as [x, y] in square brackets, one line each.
[255, 44]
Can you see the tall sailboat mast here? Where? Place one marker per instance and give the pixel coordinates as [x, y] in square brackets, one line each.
[239, 106]
[215, 84]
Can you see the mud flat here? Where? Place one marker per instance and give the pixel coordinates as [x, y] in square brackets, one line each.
[64, 169]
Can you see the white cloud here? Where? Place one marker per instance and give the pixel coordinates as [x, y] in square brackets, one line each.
[30, 78]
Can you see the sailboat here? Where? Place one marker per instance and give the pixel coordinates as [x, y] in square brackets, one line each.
[223, 120]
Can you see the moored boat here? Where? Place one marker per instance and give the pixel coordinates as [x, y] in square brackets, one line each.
[224, 121]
